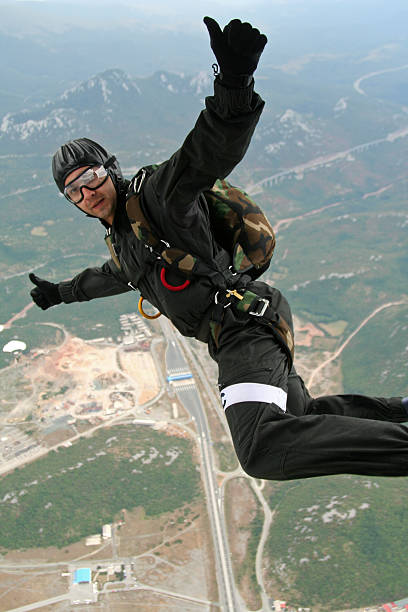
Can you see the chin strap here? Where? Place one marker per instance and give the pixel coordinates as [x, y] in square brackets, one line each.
[110, 161]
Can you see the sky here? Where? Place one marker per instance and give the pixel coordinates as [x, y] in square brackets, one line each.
[170, 15]
[176, 10]
[142, 32]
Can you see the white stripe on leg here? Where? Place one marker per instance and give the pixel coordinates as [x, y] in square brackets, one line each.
[253, 392]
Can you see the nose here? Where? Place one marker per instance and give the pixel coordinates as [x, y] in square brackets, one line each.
[88, 193]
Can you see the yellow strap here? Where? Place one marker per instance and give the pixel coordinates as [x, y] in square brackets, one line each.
[142, 312]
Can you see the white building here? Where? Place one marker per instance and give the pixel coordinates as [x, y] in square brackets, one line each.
[93, 540]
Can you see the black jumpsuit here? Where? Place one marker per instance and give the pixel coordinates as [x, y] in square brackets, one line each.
[279, 431]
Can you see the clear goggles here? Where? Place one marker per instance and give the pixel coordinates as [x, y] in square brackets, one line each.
[91, 178]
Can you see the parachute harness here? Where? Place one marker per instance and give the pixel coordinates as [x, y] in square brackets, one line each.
[253, 305]
[251, 245]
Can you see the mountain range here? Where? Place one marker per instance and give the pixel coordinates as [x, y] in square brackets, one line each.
[302, 118]
[110, 102]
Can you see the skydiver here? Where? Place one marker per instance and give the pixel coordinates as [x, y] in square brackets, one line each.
[279, 431]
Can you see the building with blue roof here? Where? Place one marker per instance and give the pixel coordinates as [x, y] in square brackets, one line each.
[82, 576]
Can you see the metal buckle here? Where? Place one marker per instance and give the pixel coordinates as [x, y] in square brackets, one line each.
[257, 313]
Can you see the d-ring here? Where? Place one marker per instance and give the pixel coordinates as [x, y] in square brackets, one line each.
[172, 287]
[142, 312]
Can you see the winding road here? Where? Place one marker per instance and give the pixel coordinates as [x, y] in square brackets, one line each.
[357, 83]
[341, 348]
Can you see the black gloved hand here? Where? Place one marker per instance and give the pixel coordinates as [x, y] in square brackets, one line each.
[45, 294]
[237, 48]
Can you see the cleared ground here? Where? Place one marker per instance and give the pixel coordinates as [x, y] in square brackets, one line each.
[21, 587]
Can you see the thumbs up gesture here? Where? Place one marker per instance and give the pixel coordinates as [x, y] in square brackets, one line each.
[44, 294]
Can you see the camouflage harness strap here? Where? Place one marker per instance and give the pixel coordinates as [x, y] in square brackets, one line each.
[108, 242]
[182, 261]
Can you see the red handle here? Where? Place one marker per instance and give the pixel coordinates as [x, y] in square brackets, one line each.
[172, 287]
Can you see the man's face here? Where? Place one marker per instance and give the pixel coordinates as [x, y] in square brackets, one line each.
[99, 202]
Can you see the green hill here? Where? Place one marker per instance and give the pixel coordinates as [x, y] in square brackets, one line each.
[339, 542]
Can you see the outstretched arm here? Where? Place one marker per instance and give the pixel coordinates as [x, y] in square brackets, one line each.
[87, 285]
[224, 129]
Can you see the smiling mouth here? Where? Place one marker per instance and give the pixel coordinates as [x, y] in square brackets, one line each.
[97, 204]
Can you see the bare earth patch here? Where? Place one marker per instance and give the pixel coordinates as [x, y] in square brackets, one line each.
[52, 554]
[240, 511]
[20, 587]
[88, 381]
[39, 231]
[172, 552]
[305, 332]
[145, 601]
[140, 366]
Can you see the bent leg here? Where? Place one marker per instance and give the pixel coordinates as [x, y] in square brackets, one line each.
[281, 433]
[378, 408]
[275, 445]
[283, 438]
[361, 406]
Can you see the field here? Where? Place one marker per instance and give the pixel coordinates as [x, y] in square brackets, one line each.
[71, 493]
[171, 562]
[338, 543]
[244, 522]
[19, 587]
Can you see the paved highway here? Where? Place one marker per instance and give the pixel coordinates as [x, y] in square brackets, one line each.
[188, 394]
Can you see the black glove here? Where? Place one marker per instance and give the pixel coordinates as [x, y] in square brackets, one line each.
[45, 294]
[237, 49]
